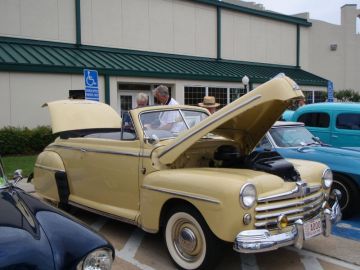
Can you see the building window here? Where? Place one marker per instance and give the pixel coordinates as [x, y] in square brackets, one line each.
[314, 96]
[308, 96]
[220, 95]
[235, 93]
[194, 95]
[126, 103]
[319, 96]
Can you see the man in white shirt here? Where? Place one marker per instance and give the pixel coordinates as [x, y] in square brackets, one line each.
[167, 119]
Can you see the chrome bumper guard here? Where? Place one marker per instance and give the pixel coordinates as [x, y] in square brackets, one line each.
[253, 241]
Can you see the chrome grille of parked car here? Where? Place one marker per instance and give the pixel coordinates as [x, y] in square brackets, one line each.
[299, 207]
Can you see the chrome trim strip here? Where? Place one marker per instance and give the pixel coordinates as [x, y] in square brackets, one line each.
[122, 219]
[300, 190]
[291, 211]
[274, 222]
[290, 204]
[195, 131]
[183, 194]
[96, 150]
[48, 168]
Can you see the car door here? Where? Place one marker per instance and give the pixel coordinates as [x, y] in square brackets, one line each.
[345, 129]
[103, 174]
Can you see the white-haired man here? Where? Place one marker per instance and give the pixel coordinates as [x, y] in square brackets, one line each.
[167, 119]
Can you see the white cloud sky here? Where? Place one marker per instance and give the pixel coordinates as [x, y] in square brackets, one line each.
[325, 10]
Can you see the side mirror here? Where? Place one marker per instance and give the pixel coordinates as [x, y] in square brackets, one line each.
[17, 176]
[153, 139]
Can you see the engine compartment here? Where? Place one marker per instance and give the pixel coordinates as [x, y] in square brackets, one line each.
[226, 154]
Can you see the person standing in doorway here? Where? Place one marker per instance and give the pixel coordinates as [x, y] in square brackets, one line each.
[142, 100]
[209, 103]
[163, 97]
[167, 119]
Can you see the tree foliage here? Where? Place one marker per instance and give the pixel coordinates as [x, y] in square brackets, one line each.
[347, 95]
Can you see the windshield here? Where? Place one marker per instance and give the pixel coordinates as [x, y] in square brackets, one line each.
[2, 177]
[292, 136]
[169, 123]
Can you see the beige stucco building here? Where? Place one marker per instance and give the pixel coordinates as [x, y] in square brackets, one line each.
[196, 47]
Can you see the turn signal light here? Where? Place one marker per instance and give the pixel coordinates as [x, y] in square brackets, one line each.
[282, 221]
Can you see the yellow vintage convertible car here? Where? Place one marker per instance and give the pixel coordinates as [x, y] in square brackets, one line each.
[191, 175]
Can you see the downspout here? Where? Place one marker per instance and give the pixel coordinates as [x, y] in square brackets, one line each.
[218, 32]
[107, 88]
[298, 46]
[78, 22]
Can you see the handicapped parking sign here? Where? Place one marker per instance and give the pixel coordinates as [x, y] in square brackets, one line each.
[330, 90]
[91, 84]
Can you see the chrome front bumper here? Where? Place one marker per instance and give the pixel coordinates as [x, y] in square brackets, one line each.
[253, 241]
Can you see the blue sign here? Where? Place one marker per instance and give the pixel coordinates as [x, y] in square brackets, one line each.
[330, 91]
[91, 84]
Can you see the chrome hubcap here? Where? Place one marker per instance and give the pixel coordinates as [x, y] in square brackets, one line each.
[187, 240]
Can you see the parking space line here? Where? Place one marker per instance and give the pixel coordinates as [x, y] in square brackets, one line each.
[99, 223]
[310, 263]
[128, 252]
[248, 262]
[325, 258]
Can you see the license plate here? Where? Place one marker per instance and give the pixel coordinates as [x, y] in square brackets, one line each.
[312, 228]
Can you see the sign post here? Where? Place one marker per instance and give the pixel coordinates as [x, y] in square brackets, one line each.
[91, 84]
[330, 91]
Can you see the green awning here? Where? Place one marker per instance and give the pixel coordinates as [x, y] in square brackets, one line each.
[49, 57]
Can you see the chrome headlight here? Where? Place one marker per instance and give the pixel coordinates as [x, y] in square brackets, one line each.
[327, 179]
[248, 195]
[99, 259]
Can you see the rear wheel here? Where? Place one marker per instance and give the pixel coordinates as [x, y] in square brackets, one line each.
[189, 240]
[349, 195]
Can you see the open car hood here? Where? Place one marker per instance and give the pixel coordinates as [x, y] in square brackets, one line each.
[70, 115]
[246, 120]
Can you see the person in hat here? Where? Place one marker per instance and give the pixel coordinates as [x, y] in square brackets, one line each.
[209, 103]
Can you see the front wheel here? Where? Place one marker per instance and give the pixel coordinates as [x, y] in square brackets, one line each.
[349, 195]
[189, 240]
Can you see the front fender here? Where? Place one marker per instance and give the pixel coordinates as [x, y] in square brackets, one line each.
[215, 194]
[48, 163]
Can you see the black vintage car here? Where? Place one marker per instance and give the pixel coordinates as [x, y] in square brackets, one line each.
[35, 235]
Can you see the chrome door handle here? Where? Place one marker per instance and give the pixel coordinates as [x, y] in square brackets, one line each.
[334, 136]
[83, 150]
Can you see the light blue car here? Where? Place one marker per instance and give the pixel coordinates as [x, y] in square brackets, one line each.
[337, 124]
[293, 140]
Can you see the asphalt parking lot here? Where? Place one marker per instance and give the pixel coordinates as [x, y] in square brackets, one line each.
[136, 249]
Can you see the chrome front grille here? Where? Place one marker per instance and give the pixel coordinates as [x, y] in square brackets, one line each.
[298, 205]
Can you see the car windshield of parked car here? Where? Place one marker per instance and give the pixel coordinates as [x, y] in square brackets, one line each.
[169, 123]
[292, 136]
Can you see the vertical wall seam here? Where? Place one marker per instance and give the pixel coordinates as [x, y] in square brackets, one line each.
[218, 32]
[107, 88]
[58, 19]
[78, 21]
[298, 45]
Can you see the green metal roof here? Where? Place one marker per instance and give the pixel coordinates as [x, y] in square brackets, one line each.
[41, 56]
